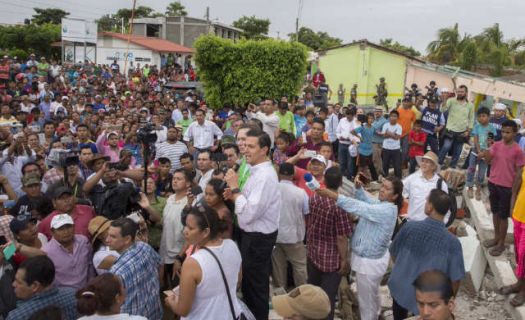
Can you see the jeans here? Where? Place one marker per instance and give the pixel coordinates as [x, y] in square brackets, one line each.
[392, 157]
[346, 161]
[471, 171]
[328, 281]
[456, 146]
[433, 143]
[398, 311]
[413, 165]
[404, 148]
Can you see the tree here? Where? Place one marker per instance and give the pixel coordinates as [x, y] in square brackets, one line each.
[30, 38]
[140, 12]
[446, 48]
[108, 23]
[241, 72]
[396, 46]
[253, 27]
[49, 15]
[315, 40]
[469, 56]
[176, 9]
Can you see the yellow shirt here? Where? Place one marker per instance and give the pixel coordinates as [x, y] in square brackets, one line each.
[519, 207]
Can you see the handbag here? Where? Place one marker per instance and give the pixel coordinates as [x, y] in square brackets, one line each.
[241, 316]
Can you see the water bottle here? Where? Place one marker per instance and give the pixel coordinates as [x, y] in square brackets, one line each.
[311, 182]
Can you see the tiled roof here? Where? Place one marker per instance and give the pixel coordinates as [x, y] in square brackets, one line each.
[154, 44]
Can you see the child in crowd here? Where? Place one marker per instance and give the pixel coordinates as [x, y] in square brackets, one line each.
[327, 151]
[506, 158]
[164, 177]
[391, 145]
[300, 119]
[310, 115]
[483, 133]
[365, 149]
[417, 140]
[280, 154]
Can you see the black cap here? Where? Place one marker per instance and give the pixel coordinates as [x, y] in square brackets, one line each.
[61, 190]
[20, 223]
[433, 99]
[286, 169]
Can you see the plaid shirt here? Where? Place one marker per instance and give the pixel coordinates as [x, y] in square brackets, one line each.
[64, 298]
[324, 224]
[138, 268]
[5, 231]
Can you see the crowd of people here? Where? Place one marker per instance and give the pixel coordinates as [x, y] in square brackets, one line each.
[124, 200]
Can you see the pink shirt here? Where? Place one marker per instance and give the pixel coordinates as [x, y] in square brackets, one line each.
[81, 216]
[506, 160]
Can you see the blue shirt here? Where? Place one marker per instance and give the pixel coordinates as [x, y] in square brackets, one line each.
[496, 123]
[138, 268]
[422, 246]
[46, 109]
[367, 133]
[378, 126]
[299, 124]
[431, 118]
[482, 132]
[377, 220]
[64, 298]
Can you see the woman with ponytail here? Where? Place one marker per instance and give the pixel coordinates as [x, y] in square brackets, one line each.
[371, 239]
[101, 299]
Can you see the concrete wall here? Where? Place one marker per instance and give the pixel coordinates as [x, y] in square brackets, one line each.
[363, 65]
[139, 29]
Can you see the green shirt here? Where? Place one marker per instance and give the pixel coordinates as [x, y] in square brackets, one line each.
[42, 68]
[185, 124]
[244, 173]
[155, 230]
[286, 122]
[460, 116]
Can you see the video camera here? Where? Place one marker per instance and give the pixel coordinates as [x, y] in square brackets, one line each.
[146, 134]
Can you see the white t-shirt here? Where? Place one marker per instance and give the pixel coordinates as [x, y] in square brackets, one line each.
[172, 240]
[389, 143]
[100, 255]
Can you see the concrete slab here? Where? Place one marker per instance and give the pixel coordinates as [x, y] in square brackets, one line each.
[500, 266]
[474, 258]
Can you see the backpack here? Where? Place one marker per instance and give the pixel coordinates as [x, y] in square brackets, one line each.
[115, 201]
[453, 202]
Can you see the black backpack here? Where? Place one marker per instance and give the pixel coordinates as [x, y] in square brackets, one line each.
[453, 202]
[115, 201]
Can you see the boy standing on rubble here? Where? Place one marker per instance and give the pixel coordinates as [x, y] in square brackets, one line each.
[506, 159]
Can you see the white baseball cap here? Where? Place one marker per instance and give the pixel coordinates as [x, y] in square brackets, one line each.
[444, 90]
[61, 220]
[500, 106]
[319, 158]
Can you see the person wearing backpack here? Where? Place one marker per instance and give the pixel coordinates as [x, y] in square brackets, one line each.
[417, 186]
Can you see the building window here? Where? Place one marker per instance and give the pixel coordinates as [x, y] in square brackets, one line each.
[153, 30]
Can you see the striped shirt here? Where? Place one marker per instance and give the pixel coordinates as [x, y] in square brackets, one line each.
[172, 151]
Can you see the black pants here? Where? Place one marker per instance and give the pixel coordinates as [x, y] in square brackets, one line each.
[392, 157]
[413, 165]
[256, 252]
[367, 161]
[398, 311]
[328, 281]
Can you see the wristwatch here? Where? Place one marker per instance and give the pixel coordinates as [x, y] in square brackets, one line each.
[236, 190]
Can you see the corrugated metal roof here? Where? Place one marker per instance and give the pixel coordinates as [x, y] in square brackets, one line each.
[155, 44]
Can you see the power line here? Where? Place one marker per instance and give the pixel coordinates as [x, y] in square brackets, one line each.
[48, 5]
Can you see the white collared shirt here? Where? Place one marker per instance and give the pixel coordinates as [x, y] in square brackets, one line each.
[258, 206]
[331, 124]
[344, 130]
[294, 206]
[203, 136]
[417, 189]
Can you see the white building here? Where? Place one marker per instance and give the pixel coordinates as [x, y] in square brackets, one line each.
[144, 50]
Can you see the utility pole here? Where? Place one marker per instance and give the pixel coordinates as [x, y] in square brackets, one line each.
[208, 18]
[122, 25]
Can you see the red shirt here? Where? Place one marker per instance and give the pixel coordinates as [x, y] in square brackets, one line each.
[414, 150]
[301, 183]
[324, 224]
[81, 216]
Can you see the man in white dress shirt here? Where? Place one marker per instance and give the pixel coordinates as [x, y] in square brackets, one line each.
[257, 208]
[201, 134]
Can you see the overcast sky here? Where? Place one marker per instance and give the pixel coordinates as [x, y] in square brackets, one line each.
[411, 22]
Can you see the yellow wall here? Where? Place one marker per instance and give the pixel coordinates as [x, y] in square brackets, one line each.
[364, 66]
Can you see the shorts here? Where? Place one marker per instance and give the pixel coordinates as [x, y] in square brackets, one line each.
[499, 197]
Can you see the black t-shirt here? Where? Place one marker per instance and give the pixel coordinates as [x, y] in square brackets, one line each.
[323, 89]
[25, 205]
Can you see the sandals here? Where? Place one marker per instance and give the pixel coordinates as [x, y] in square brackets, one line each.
[490, 243]
[506, 290]
[497, 251]
[517, 300]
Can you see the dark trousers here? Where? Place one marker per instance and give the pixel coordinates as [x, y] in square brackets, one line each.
[335, 148]
[398, 311]
[413, 165]
[392, 157]
[256, 252]
[328, 281]
[366, 161]
[433, 143]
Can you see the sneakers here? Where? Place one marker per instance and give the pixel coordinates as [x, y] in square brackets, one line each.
[470, 193]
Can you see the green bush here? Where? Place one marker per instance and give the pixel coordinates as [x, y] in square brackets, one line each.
[239, 73]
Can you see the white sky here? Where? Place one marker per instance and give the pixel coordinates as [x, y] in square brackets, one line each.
[411, 22]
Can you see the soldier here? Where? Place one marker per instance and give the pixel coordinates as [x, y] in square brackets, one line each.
[382, 93]
[353, 94]
[341, 94]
